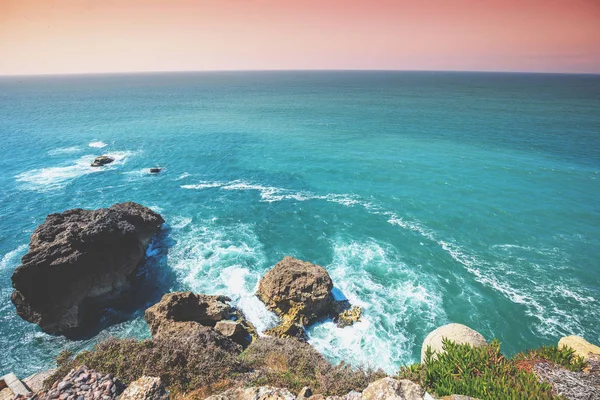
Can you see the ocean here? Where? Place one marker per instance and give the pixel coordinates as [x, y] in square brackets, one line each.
[430, 197]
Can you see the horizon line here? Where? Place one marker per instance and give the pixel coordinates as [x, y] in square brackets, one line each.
[294, 70]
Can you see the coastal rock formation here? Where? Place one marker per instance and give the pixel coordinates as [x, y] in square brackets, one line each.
[79, 260]
[382, 389]
[348, 317]
[83, 383]
[458, 333]
[582, 347]
[145, 388]
[297, 287]
[235, 331]
[569, 384]
[155, 170]
[255, 393]
[102, 160]
[186, 314]
[393, 389]
[187, 307]
[300, 293]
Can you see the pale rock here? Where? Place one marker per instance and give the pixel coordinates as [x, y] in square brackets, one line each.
[458, 333]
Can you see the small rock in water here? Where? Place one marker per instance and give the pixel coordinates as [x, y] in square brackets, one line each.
[155, 170]
[102, 160]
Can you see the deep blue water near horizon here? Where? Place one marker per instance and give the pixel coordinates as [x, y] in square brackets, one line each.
[430, 197]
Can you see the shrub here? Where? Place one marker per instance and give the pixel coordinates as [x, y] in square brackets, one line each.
[481, 372]
[292, 364]
[564, 356]
[182, 364]
[64, 364]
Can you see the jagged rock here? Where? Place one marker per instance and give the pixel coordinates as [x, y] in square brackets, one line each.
[348, 317]
[102, 160]
[582, 347]
[458, 333]
[235, 331]
[288, 329]
[79, 260]
[305, 393]
[569, 384]
[255, 393]
[187, 307]
[145, 388]
[392, 389]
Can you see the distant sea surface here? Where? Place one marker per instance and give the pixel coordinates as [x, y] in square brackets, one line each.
[429, 197]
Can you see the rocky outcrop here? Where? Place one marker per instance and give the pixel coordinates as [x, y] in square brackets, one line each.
[79, 260]
[186, 314]
[348, 317]
[83, 383]
[569, 384]
[145, 388]
[255, 393]
[392, 389]
[383, 389]
[300, 293]
[155, 170]
[102, 160]
[187, 307]
[458, 333]
[582, 347]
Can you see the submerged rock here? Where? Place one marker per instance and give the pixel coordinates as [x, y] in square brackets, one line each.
[79, 260]
[300, 293]
[458, 333]
[102, 160]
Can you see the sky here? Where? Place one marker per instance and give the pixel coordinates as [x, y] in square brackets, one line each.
[99, 36]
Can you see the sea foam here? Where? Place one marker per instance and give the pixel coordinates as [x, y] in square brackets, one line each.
[97, 144]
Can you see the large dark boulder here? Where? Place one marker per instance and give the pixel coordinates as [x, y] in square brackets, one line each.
[79, 260]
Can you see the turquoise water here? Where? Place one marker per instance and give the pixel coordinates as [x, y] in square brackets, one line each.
[429, 197]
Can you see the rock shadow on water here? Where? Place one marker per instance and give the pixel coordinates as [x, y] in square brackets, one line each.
[149, 282]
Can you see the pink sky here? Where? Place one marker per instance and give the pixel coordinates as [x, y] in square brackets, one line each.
[80, 36]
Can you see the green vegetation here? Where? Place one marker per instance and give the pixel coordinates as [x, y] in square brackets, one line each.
[565, 357]
[483, 372]
[201, 367]
[293, 365]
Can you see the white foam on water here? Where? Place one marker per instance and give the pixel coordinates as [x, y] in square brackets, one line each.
[13, 257]
[372, 276]
[97, 144]
[203, 185]
[182, 176]
[214, 259]
[272, 194]
[179, 222]
[53, 178]
[64, 150]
